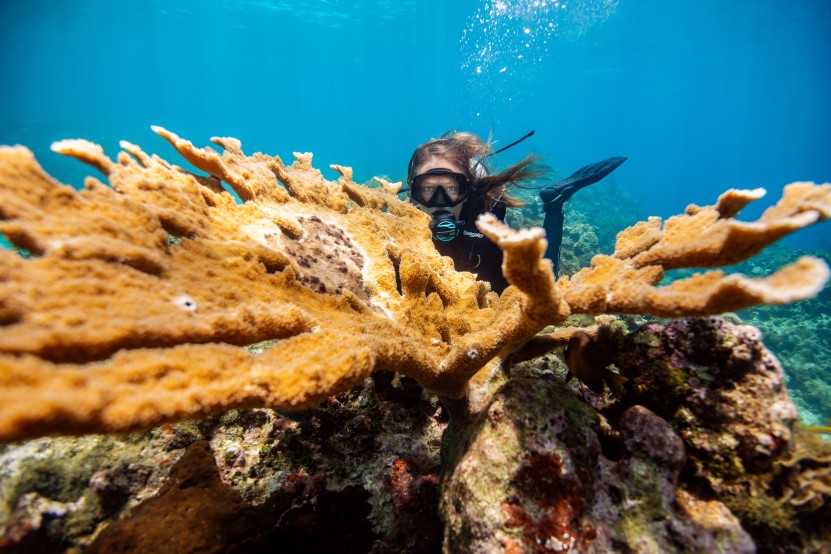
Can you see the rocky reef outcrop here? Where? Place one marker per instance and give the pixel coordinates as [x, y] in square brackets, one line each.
[699, 453]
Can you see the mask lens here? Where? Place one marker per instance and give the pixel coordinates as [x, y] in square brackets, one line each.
[439, 188]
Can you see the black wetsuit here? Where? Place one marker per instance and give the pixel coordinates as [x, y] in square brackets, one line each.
[474, 252]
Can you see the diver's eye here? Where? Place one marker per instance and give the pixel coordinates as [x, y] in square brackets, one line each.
[428, 190]
[452, 189]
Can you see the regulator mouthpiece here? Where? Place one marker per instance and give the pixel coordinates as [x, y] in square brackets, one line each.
[444, 226]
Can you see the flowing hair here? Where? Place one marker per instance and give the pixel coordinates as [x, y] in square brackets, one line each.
[468, 151]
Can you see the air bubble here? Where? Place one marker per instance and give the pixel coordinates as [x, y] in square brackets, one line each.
[509, 36]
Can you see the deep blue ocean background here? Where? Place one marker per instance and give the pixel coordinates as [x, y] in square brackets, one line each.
[701, 96]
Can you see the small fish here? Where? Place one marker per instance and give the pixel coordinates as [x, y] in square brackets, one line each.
[820, 429]
[588, 360]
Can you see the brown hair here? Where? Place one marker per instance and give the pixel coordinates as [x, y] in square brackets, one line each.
[467, 151]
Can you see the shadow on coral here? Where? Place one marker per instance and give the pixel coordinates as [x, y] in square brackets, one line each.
[196, 512]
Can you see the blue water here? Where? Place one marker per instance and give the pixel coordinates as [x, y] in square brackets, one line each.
[700, 95]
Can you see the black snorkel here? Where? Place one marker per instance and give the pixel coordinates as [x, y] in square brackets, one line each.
[480, 160]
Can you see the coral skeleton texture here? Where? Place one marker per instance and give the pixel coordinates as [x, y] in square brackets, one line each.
[137, 299]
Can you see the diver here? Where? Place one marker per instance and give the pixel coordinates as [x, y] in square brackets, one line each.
[449, 180]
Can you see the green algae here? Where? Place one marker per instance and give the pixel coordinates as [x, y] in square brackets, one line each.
[722, 461]
[501, 463]
[665, 385]
[260, 347]
[647, 339]
[636, 529]
[276, 457]
[764, 513]
[63, 479]
[59, 473]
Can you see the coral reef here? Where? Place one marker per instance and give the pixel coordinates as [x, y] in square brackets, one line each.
[798, 334]
[138, 298]
[357, 474]
[193, 512]
[538, 438]
[547, 466]
[807, 474]
[240, 274]
[697, 455]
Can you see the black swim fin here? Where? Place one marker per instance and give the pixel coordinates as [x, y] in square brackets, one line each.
[584, 176]
[556, 195]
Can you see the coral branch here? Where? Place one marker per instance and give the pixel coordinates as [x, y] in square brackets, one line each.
[627, 280]
[710, 237]
[135, 301]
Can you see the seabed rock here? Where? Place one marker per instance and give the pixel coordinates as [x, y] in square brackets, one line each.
[691, 458]
[699, 454]
[535, 478]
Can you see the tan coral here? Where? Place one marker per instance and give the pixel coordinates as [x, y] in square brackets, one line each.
[710, 237]
[806, 472]
[627, 281]
[139, 297]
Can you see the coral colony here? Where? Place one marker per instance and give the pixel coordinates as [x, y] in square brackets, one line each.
[164, 299]
[137, 299]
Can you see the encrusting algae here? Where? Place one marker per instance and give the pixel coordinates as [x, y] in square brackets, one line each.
[110, 325]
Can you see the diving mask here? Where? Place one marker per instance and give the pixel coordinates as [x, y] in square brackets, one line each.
[439, 188]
